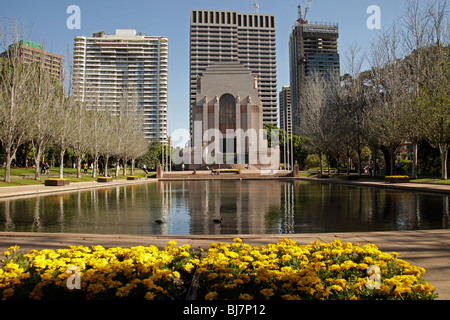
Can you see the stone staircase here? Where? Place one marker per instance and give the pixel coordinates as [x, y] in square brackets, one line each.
[244, 175]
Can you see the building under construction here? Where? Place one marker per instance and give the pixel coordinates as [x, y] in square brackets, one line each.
[313, 47]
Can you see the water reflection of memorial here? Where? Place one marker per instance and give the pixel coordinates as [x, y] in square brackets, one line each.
[244, 207]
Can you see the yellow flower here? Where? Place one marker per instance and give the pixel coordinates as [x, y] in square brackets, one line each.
[290, 297]
[319, 287]
[188, 267]
[14, 248]
[8, 293]
[334, 267]
[212, 275]
[211, 295]
[267, 293]
[149, 296]
[245, 296]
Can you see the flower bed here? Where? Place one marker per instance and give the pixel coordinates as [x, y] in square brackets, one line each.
[57, 182]
[323, 176]
[133, 178]
[317, 271]
[396, 179]
[116, 273]
[104, 179]
[235, 271]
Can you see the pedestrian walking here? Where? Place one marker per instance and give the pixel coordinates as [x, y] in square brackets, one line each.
[144, 168]
[398, 167]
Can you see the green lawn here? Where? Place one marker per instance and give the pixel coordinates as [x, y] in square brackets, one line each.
[428, 180]
[25, 176]
[313, 173]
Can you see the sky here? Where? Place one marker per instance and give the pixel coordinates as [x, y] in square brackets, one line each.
[45, 22]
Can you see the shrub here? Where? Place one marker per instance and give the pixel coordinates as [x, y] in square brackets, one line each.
[312, 161]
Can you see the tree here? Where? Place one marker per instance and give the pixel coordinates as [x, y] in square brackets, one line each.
[388, 106]
[66, 124]
[316, 118]
[152, 156]
[356, 102]
[132, 143]
[434, 100]
[15, 101]
[80, 140]
[426, 30]
[44, 92]
[343, 118]
[95, 123]
[417, 34]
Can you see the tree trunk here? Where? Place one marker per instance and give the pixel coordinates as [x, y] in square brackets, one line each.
[37, 162]
[338, 165]
[79, 156]
[61, 163]
[106, 165]
[94, 166]
[392, 161]
[117, 168]
[328, 163]
[387, 161]
[443, 148]
[124, 166]
[359, 163]
[132, 167]
[414, 162]
[374, 159]
[348, 163]
[8, 160]
[321, 163]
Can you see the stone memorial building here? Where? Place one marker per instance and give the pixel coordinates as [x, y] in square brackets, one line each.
[228, 117]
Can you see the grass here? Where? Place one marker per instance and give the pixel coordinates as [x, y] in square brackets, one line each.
[25, 176]
[430, 180]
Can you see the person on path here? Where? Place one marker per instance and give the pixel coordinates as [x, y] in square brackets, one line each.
[144, 168]
[398, 167]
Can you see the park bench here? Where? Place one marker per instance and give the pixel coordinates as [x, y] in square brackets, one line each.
[237, 171]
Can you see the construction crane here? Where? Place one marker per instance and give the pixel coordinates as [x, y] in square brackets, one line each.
[302, 19]
[256, 6]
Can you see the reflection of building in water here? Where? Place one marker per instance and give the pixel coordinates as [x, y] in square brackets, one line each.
[247, 207]
[288, 208]
[243, 206]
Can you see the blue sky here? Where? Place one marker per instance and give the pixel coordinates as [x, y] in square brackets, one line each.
[45, 22]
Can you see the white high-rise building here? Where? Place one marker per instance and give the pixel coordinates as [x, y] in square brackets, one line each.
[249, 38]
[108, 64]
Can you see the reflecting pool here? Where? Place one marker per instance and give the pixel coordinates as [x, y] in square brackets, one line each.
[246, 207]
